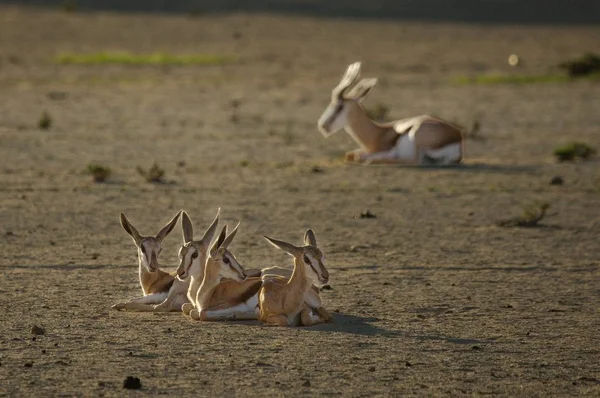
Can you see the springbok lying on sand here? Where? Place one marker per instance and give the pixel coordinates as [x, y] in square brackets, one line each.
[294, 301]
[418, 140]
[162, 291]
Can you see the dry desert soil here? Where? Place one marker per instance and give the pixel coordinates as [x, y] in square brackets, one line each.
[431, 297]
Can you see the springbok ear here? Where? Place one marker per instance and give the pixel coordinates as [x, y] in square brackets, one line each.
[187, 228]
[210, 231]
[164, 231]
[286, 247]
[130, 229]
[219, 242]
[309, 238]
[349, 77]
[361, 89]
[230, 237]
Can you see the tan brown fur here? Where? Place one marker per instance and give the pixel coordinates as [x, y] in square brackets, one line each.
[288, 302]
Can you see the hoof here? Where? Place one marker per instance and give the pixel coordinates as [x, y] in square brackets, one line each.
[187, 308]
[195, 315]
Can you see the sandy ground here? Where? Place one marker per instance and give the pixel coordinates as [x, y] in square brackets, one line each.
[430, 298]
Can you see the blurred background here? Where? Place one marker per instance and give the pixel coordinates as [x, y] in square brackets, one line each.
[515, 11]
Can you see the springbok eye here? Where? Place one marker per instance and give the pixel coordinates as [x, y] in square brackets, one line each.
[195, 255]
[144, 249]
[306, 259]
[226, 260]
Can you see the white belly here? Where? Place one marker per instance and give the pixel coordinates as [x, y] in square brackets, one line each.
[451, 153]
[405, 148]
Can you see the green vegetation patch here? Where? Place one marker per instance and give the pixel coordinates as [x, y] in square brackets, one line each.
[573, 150]
[98, 172]
[125, 58]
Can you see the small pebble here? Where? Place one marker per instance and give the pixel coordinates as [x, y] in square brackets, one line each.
[38, 330]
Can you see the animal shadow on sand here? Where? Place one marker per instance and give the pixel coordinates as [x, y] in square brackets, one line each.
[357, 325]
[475, 168]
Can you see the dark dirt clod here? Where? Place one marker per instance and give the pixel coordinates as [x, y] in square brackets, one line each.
[371, 368]
[132, 383]
[38, 330]
[366, 214]
[28, 364]
[408, 364]
[557, 180]
[306, 383]
[476, 347]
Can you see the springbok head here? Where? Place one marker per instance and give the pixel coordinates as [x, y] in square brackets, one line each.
[307, 256]
[222, 260]
[149, 247]
[192, 254]
[349, 90]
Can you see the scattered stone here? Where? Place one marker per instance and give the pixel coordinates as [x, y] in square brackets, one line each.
[371, 368]
[132, 383]
[508, 306]
[43, 351]
[28, 364]
[317, 169]
[557, 180]
[476, 347]
[38, 330]
[513, 60]
[101, 384]
[306, 383]
[408, 364]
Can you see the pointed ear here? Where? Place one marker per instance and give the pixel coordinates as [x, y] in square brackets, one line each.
[350, 76]
[187, 228]
[219, 242]
[164, 231]
[130, 229]
[210, 232]
[310, 238]
[230, 237]
[286, 247]
[361, 89]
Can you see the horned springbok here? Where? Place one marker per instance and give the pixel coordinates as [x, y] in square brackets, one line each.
[162, 291]
[192, 258]
[417, 140]
[226, 292]
[293, 301]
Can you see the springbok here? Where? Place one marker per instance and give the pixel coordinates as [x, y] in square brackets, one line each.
[418, 140]
[192, 258]
[226, 292]
[162, 291]
[293, 301]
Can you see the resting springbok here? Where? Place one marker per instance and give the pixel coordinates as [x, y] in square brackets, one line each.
[293, 301]
[162, 291]
[418, 140]
[236, 296]
[192, 258]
